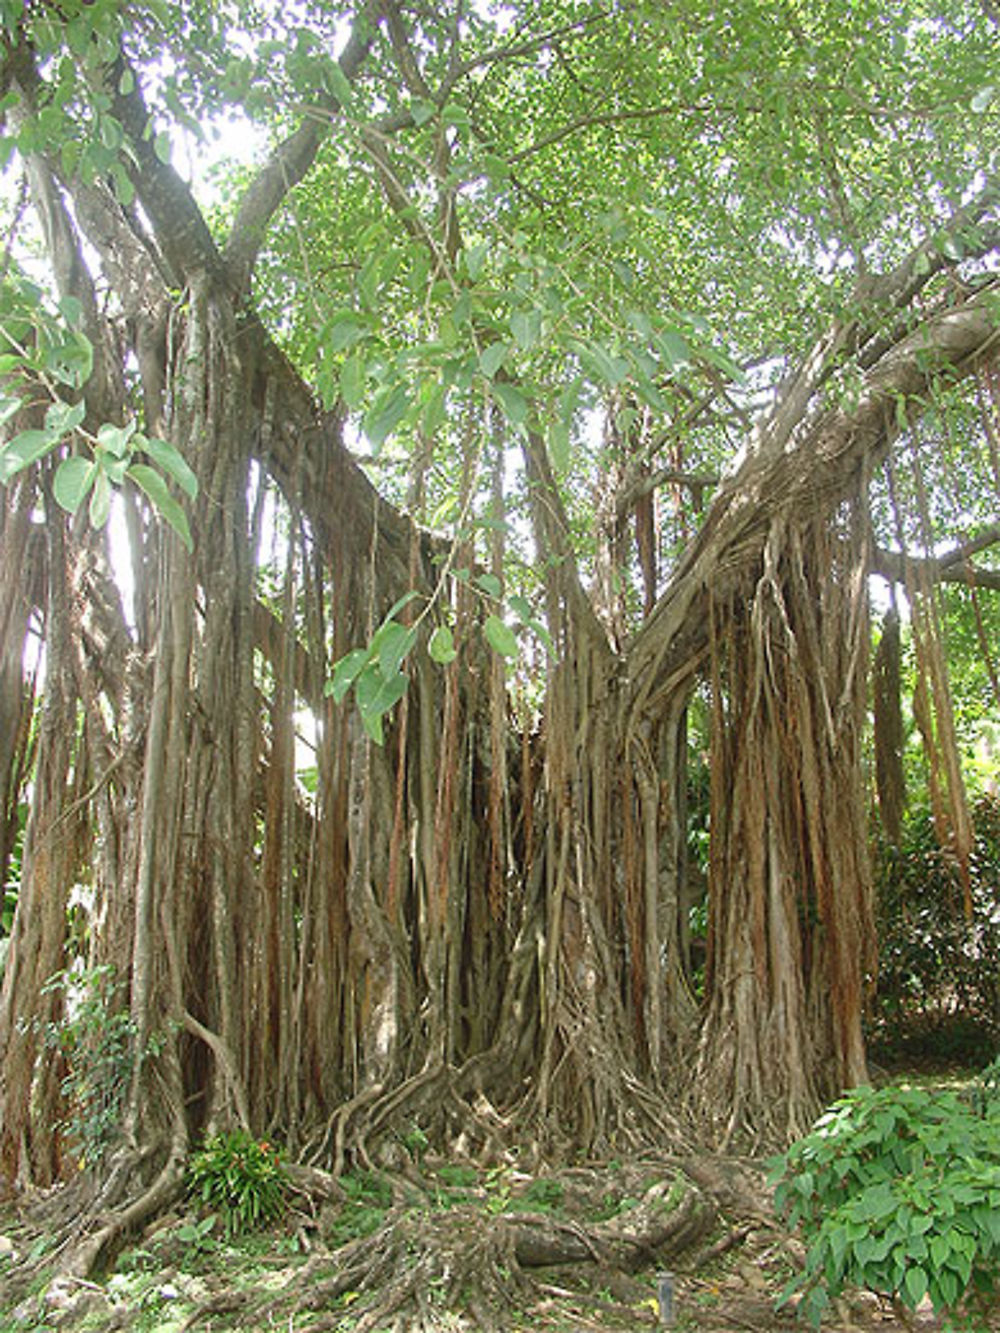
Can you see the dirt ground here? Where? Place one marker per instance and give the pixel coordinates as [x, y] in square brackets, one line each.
[453, 1247]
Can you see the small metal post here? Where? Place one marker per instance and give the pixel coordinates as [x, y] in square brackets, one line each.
[665, 1298]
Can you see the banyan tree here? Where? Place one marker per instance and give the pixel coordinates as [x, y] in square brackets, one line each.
[436, 438]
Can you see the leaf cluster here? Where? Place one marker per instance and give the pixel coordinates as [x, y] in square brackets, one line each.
[96, 1037]
[896, 1190]
[49, 359]
[241, 1178]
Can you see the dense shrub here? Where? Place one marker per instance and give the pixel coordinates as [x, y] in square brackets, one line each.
[898, 1190]
[938, 985]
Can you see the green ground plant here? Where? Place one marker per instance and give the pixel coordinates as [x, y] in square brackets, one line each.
[897, 1190]
[367, 1199]
[939, 966]
[240, 1178]
[96, 1038]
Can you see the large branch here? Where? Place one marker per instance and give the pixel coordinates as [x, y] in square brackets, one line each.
[290, 161]
[819, 466]
[954, 566]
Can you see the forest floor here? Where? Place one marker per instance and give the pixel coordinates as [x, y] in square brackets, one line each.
[451, 1247]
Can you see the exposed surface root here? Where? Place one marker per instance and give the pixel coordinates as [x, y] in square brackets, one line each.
[469, 1259]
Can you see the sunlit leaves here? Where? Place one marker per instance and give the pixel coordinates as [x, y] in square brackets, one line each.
[500, 637]
[441, 646]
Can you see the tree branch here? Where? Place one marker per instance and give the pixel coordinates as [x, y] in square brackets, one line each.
[954, 566]
[290, 162]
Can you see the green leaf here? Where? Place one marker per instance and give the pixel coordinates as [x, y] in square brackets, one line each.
[161, 147]
[346, 672]
[475, 260]
[521, 607]
[339, 84]
[353, 381]
[500, 637]
[74, 478]
[526, 326]
[168, 457]
[493, 358]
[155, 489]
[72, 361]
[441, 646]
[71, 309]
[8, 407]
[115, 439]
[559, 450]
[983, 98]
[385, 414]
[914, 1286]
[513, 402]
[674, 348]
[490, 583]
[27, 447]
[100, 501]
[376, 695]
[344, 330]
[394, 648]
[398, 605]
[422, 111]
[435, 412]
[543, 633]
[64, 417]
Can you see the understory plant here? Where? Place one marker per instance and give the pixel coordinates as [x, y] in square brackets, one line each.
[96, 1037]
[241, 1178]
[897, 1190]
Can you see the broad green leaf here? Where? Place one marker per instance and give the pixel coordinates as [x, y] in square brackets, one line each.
[500, 637]
[171, 460]
[71, 310]
[914, 1286]
[72, 361]
[983, 98]
[353, 380]
[520, 606]
[398, 605]
[396, 642]
[674, 348]
[559, 450]
[493, 358]
[27, 447]
[344, 330]
[441, 646]
[526, 326]
[161, 147]
[339, 84]
[513, 402]
[74, 478]
[543, 633]
[115, 439]
[346, 672]
[8, 407]
[490, 583]
[385, 414]
[434, 414]
[64, 417]
[100, 500]
[422, 111]
[475, 260]
[376, 695]
[607, 366]
[155, 489]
